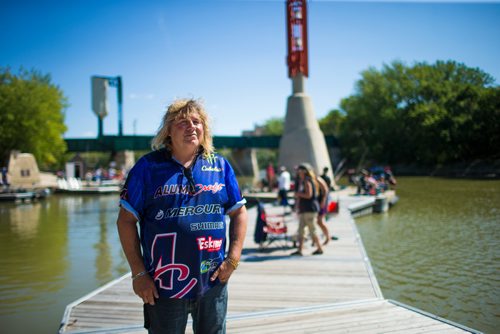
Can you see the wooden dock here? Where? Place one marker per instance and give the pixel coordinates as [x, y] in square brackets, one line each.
[273, 292]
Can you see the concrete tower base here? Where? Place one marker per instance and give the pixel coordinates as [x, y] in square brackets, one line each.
[302, 140]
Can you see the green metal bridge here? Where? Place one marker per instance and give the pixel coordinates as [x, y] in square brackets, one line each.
[138, 143]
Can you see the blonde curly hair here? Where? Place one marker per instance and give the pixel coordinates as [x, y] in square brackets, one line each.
[179, 109]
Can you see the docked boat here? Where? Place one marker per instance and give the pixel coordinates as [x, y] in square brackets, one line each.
[21, 195]
[75, 186]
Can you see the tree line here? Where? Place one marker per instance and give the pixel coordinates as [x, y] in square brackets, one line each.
[423, 114]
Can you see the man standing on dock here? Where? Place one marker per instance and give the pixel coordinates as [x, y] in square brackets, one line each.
[180, 194]
[284, 180]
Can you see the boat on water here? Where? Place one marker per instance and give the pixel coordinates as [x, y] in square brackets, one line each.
[75, 186]
[22, 181]
[21, 195]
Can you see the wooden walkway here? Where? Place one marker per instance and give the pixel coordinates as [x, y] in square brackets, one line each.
[273, 292]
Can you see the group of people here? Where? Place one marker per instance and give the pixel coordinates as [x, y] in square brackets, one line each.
[374, 181]
[311, 202]
[103, 174]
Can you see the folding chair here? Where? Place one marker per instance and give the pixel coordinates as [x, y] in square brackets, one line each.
[270, 229]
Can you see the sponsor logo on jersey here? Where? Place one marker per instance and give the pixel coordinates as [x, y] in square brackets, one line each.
[171, 189]
[212, 158]
[206, 226]
[175, 189]
[159, 215]
[209, 265]
[169, 273]
[210, 245]
[124, 193]
[210, 169]
[204, 209]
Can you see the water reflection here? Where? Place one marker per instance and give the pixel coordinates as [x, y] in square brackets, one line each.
[23, 220]
[103, 261]
[33, 244]
[52, 253]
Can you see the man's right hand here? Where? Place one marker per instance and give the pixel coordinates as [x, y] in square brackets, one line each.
[145, 288]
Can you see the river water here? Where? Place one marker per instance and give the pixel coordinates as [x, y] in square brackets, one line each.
[52, 253]
[436, 250]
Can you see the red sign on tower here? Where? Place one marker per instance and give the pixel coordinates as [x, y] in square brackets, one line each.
[296, 14]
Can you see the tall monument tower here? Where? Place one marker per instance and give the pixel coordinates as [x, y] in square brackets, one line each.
[302, 140]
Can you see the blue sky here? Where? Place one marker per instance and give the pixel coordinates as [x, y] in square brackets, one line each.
[230, 53]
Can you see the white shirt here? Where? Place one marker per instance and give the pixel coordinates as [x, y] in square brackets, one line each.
[284, 180]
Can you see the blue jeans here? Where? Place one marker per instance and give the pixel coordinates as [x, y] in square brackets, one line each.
[171, 315]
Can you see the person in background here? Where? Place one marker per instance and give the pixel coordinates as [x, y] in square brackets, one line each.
[283, 186]
[371, 184]
[180, 194]
[389, 177]
[306, 198]
[366, 183]
[270, 176]
[323, 192]
[88, 177]
[98, 175]
[332, 186]
[326, 178]
[5, 181]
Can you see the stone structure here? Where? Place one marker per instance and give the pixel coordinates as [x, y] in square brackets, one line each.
[302, 140]
[23, 171]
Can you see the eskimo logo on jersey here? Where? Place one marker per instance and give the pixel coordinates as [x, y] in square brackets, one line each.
[175, 189]
[210, 245]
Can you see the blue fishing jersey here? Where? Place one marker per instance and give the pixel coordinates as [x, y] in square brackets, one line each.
[181, 214]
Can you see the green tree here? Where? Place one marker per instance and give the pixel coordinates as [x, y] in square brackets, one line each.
[331, 124]
[424, 114]
[31, 116]
[273, 126]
